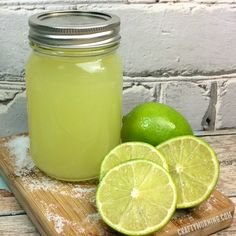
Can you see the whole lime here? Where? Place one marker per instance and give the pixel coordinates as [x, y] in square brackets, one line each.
[153, 123]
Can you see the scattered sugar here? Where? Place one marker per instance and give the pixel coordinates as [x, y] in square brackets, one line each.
[42, 183]
[206, 207]
[93, 218]
[92, 200]
[59, 221]
[19, 148]
[76, 227]
[79, 191]
[212, 199]
[45, 183]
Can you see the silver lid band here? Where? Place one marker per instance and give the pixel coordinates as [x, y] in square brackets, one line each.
[74, 29]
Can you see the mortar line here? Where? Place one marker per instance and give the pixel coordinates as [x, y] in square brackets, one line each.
[140, 78]
[209, 119]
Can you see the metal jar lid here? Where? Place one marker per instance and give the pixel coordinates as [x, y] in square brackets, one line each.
[74, 29]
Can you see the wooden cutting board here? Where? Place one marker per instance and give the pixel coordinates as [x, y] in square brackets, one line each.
[60, 208]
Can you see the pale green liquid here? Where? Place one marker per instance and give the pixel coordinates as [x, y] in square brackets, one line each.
[74, 112]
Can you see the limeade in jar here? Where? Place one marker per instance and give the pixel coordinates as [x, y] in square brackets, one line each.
[74, 108]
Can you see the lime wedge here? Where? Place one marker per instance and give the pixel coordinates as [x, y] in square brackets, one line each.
[194, 168]
[137, 197]
[128, 151]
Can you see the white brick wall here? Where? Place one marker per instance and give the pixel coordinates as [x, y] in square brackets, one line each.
[226, 104]
[13, 116]
[135, 93]
[182, 54]
[171, 39]
[190, 98]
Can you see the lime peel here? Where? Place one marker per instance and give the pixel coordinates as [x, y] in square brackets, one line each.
[194, 168]
[131, 150]
[154, 123]
[137, 208]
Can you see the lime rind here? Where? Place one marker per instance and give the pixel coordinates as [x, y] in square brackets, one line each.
[148, 230]
[210, 187]
[215, 171]
[113, 158]
[153, 123]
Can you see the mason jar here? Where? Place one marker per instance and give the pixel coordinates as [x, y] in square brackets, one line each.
[74, 88]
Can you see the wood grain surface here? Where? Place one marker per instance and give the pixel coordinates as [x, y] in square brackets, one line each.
[13, 220]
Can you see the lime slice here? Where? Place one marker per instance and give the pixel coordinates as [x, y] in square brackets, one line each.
[136, 197]
[128, 151]
[194, 168]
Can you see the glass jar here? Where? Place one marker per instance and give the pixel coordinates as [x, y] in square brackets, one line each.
[74, 88]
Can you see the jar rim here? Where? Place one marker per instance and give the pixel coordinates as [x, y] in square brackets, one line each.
[74, 29]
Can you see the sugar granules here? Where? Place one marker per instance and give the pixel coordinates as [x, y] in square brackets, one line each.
[94, 218]
[80, 191]
[59, 221]
[19, 148]
[34, 180]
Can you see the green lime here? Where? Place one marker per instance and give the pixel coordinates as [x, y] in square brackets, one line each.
[129, 151]
[153, 123]
[136, 197]
[194, 168]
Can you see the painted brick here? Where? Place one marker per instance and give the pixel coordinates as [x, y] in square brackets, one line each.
[9, 90]
[136, 93]
[13, 116]
[7, 95]
[61, 2]
[142, 1]
[226, 105]
[190, 99]
[199, 1]
[170, 39]
[13, 42]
